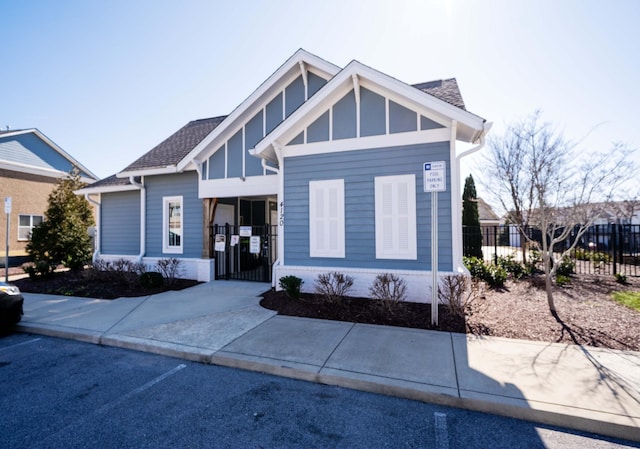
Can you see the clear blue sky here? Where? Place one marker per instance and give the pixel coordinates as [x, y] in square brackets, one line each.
[109, 80]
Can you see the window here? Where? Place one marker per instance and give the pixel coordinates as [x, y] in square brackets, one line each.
[326, 218]
[172, 225]
[26, 223]
[395, 204]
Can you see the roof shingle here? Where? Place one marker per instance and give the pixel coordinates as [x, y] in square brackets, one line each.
[173, 149]
[445, 90]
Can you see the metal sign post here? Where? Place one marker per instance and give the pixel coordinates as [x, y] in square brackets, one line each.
[7, 211]
[435, 180]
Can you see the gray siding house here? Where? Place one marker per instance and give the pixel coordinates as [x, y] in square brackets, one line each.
[330, 161]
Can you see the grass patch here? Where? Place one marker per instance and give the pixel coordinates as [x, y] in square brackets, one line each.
[629, 299]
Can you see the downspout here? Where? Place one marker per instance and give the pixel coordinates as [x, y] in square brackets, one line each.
[278, 171]
[457, 206]
[143, 216]
[96, 253]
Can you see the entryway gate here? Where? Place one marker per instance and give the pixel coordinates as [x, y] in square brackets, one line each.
[245, 253]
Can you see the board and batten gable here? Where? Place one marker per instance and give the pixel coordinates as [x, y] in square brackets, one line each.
[178, 184]
[359, 169]
[232, 158]
[120, 223]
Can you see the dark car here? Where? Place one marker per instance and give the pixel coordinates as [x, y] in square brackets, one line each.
[10, 304]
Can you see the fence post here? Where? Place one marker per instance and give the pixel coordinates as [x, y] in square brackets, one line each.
[495, 244]
[614, 240]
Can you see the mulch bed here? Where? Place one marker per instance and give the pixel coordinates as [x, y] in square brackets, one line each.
[362, 310]
[586, 313]
[87, 284]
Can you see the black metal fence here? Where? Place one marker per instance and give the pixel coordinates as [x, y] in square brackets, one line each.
[244, 253]
[603, 249]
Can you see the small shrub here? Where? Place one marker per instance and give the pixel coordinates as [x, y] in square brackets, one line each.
[170, 269]
[333, 286]
[512, 266]
[291, 285]
[493, 275]
[38, 269]
[621, 278]
[456, 292]
[476, 267]
[389, 289]
[496, 276]
[566, 267]
[562, 280]
[151, 279]
[534, 259]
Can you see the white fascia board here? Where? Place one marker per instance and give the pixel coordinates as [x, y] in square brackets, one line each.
[106, 189]
[367, 143]
[55, 147]
[291, 64]
[169, 169]
[233, 187]
[32, 170]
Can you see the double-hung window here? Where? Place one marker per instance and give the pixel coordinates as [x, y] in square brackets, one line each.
[395, 203]
[172, 225]
[326, 218]
[25, 224]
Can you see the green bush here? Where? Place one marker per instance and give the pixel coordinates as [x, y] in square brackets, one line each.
[151, 279]
[566, 267]
[41, 268]
[291, 285]
[512, 266]
[562, 280]
[493, 275]
[621, 278]
[496, 276]
[476, 267]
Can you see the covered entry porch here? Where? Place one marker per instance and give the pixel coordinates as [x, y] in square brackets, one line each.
[242, 237]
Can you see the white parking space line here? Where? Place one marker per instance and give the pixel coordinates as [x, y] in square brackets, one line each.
[6, 348]
[107, 407]
[442, 434]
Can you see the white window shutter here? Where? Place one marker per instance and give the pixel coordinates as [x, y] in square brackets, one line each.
[326, 218]
[395, 202]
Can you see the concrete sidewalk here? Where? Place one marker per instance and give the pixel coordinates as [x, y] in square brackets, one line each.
[584, 388]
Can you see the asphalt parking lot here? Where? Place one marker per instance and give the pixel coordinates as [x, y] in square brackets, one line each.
[66, 394]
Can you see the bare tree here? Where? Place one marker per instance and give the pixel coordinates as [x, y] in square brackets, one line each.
[545, 182]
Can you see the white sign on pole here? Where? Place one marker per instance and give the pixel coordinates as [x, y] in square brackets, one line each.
[435, 176]
[7, 205]
[435, 180]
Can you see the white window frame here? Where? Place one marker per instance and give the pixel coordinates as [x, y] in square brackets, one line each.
[166, 246]
[394, 225]
[321, 194]
[30, 227]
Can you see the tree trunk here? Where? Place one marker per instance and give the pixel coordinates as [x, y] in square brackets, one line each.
[547, 254]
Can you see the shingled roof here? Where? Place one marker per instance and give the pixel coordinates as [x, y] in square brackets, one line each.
[177, 146]
[445, 90]
[173, 149]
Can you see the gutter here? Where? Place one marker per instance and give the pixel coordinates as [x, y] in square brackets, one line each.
[278, 171]
[143, 215]
[456, 194]
[96, 253]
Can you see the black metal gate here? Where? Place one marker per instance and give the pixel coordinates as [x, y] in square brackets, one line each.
[244, 253]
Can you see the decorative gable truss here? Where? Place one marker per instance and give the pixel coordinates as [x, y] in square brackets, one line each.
[377, 110]
[226, 168]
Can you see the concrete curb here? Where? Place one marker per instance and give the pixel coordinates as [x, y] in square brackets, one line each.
[606, 424]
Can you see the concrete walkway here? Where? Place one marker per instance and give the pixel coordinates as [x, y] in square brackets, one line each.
[584, 388]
